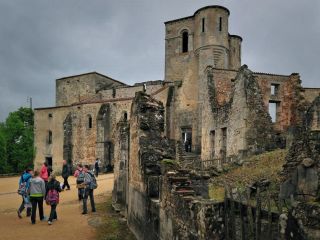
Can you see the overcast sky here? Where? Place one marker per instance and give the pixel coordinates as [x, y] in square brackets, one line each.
[42, 40]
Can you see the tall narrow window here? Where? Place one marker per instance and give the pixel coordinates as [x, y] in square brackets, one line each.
[89, 121]
[274, 89]
[220, 24]
[273, 111]
[203, 22]
[185, 39]
[49, 137]
[318, 120]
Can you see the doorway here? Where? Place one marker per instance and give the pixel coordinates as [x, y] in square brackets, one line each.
[187, 139]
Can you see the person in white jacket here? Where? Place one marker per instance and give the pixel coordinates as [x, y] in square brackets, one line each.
[37, 191]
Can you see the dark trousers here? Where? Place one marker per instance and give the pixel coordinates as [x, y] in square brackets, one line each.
[34, 202]
[88, 192]
[97, 171]
[53, 212]
[65, 183]
[21, 208]
[46, 185]
[80, 193]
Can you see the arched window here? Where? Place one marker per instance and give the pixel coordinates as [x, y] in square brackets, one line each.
[125, 116]
[89, 121]
[185, 40]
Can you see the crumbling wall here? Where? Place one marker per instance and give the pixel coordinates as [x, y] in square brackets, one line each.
[237, 127]
[148, 147]
[301, 172]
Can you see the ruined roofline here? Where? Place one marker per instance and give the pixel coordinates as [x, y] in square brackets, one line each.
[102, 101]
[257, 73]
[311, 88]
[148, 83]
[200, 9]
[89, 73]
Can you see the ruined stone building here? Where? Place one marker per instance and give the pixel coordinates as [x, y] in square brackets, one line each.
[213, 107]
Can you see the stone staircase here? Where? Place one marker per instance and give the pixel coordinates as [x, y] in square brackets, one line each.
[190, 160]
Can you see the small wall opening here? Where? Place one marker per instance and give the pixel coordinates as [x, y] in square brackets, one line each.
[213, 143]
[318, 119]
[224, 143]
[220, 24]
[49, 137]
[203, 24]
[125, 116]
[273, 111]
[274, 89]
[185, 40]
[89, 121]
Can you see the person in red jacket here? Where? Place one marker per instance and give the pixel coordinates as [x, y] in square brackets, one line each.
[44, 174]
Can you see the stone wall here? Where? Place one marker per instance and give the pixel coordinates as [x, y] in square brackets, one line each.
[78, 88]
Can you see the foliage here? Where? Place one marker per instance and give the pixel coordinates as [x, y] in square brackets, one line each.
[112, 227]
[264, 166]
[16, 141]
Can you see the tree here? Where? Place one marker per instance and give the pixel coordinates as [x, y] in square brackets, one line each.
[3, 151]
[18, 132]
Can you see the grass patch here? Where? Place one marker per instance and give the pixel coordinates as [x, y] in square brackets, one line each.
[264, 166]
[112, 227]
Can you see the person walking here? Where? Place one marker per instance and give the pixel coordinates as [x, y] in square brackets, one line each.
[44, 174]
[79, 174]
[96, 167]
[37, 191]
[24, 184]
[65, 174]
[90, 184]
[52, 199]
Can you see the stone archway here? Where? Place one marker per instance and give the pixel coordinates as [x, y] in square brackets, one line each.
[104, 145]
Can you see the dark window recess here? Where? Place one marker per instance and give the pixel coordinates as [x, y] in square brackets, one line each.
[318, 120]
[274, 89]
[185, 39]
[203, 22]
[49, 137]
[125, 116]
[220, 24]
[89, 122]
[113, 92]
[50, 115]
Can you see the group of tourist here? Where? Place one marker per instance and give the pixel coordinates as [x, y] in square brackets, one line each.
[36, 186]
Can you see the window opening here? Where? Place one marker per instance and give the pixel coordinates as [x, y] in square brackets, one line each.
[185, 39]
[49, 137]
[203, 26]
[89, 122]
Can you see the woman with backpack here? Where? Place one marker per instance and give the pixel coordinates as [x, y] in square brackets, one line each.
[52, 198]
[24, 184]
[37, 191]
[79, 174]
[90, 184]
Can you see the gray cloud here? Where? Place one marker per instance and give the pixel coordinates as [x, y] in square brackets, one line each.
[41, 40]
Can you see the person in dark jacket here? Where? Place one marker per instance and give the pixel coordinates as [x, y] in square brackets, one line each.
[65, 175]
[53, 184]
[97, 167]
[25, 179]
[88, 191]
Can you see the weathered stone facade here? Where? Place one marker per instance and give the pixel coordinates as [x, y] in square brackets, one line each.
[89, 106]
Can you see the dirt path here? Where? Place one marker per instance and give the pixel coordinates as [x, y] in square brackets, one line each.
[70, 225]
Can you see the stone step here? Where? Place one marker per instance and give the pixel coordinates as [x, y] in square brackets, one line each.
[178, 188]
[185, 192]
